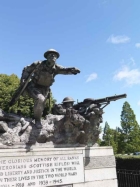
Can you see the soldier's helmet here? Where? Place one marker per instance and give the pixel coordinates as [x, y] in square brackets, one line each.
[51, 51]
[68, 99]
[87, 100]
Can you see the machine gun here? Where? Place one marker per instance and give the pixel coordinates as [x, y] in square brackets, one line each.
[98, 102]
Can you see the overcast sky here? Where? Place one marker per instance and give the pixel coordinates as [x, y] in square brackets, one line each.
[100, 37]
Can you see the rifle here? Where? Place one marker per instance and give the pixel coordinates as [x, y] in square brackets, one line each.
[22, 87]
[98, 102]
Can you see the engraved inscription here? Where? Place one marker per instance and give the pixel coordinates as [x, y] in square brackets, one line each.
[41, 171]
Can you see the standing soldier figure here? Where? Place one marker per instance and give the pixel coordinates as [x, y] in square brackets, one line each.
[36, 81]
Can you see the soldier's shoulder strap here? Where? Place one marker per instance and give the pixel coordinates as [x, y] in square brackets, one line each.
[32, 66]
[22, 87]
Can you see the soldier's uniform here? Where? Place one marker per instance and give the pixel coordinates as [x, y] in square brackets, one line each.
[60, 109]
[41, 80]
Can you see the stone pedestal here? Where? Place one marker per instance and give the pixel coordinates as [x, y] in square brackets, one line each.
[67, 167]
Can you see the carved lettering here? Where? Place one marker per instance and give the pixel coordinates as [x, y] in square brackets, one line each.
[39, 171]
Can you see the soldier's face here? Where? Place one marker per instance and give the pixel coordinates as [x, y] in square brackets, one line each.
[51, 58]
[69, 104]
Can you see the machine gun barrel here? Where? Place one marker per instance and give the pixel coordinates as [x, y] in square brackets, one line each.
[108, 99]
[103, 101]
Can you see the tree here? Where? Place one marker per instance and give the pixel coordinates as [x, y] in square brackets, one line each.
[110, 137]
[106, 135]
[8, 85]
[129, 133]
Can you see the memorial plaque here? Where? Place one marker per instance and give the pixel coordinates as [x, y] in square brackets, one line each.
[41, 171]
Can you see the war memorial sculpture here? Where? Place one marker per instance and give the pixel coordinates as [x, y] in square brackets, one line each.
[68, 123]
[68, 126]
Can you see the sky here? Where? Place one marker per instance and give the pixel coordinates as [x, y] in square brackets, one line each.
[99, 37]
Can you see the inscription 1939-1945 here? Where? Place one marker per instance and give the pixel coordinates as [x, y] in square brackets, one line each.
[41, 171]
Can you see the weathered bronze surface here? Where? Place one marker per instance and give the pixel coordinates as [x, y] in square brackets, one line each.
[68, 124]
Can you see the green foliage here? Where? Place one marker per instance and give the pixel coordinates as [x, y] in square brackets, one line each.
[129, 141]
[99, 141]
[106, 128]
[25, 106]
[128, 119]
[8, 85]
[109, 137]
[125, 139]
[128, 162]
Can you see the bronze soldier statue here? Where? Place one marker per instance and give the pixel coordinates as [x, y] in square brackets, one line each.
[60, 109]
[36, 81]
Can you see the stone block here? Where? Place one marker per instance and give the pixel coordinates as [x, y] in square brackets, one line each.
[103, 183]
[100, 174]
[99, 162]
[97, 151]
[66, 167]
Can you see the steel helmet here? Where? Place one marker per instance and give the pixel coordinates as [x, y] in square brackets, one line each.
[51, 51]
[68, 99]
